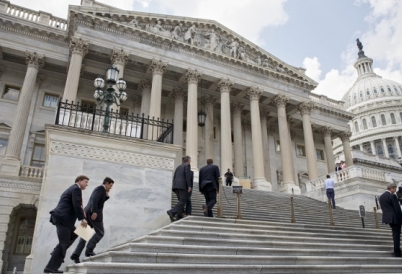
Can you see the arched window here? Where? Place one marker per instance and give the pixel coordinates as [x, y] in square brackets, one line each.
[361, 94]
[364, 123]
[382, 90]
[383, 120]
[368, 92]
[356, 127]
[396, 90]
[373, 121]
[375, 91]
[393, 120]
[354, 96]
[380, 151]
[389, 89]
[391, 151]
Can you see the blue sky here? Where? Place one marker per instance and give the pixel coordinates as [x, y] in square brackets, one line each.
[318, 35]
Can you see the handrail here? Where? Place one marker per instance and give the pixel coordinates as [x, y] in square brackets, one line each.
[31, 172]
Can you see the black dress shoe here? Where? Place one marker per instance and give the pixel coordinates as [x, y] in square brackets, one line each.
[171, 216]
[205, 209]
[89, 253]
[75, 259]
[47, 270]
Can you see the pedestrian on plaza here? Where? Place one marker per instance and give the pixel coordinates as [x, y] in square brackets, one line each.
[64, 216]
[329, 186]
[209, 178]
[229, 177]
[182, 185]
[392, 215]
[94, 215]
[188, 208]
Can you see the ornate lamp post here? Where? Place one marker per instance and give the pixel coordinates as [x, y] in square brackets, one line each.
[110, 96]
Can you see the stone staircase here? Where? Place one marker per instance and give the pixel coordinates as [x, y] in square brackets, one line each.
[264, 241]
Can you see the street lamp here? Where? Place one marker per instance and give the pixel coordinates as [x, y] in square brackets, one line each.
[110, 96]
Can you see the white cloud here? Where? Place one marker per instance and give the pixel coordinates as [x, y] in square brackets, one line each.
[312, 67]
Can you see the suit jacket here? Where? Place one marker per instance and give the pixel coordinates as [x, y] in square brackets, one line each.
[69, 208]
[391, 210]
[338, 168]
[209, 173]
[96, 202]
[182, 177]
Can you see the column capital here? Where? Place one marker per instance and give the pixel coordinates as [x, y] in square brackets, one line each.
[225, 85]
[345, 136]
[77, 45]
[137, 100]
[236, 107]
[157, 66]
[327, 130]
[281, 100]
[305, 107]
[193, 76]
[271, 129]
[254, 93]
[35, 60]
[264, 113]
[208, 100]
[144, 84]
[119, 56]
[178, 93]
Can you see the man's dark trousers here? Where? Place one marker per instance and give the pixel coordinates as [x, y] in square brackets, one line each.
[66, 239]
[99, 232]
[179, 207]
[188, 204]
[331, 196]
[210, 199]
[396, 236]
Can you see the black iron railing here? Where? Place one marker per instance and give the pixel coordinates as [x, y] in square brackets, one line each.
[91, 118]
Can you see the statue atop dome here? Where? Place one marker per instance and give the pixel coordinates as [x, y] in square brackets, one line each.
[359, 44]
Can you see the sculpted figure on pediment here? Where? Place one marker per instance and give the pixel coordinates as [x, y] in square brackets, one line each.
[279, 69]
[134, 23]
[265, 63]
[158, 29]
[190, 35]
[177, 33]
[211, 40]
[258, 61]
[233, 46]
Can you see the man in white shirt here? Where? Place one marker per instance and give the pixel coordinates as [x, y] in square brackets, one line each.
[329, 186]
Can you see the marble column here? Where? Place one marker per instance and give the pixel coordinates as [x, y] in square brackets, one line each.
[79, 48]
[224, 86]
[311, 154]
[178, 95]
[137, 99]
[327, 131]
[11, 162]
[397, 147]
[345, 137]
[273, 165]
[384, 145]
[145, 88]
[119, 59]
[238, 139]
[361, 147]
[208, 102]
[259, 181]
[286, 153]
[192, 77]
[157, 68]
[373, 149]
[265, 114]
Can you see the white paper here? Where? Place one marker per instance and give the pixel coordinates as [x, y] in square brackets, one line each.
[85, 233]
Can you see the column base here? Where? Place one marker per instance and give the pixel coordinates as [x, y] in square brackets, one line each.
[28, 264]
[287, 188]
[10, 167]
[261, 184]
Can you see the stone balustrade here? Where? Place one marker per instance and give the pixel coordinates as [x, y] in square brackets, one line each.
[39, 17]
[322, 99]
[31, 172]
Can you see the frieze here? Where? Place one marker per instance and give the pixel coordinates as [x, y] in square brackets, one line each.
[109, 155]
[20, 185]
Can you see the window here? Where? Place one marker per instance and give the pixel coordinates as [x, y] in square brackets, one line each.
[393, 120]
[87, 106]
[50, 100]
[391, 151]
[300, 150]
[380, 151]
[389, 89]
[361, 94]
[356, 127]
[123, 113]
[383, 120]
[354, 96]
[38, 156]
[382, 90]
[320, 154]
[3, 146]
[364, 123]
[11, 93]
[400, 115]
[368, 92]
[25, 231]
[214, 133]
[397, 92]
[278, 146]
[185, 126]
[373, 121]
[375, 91]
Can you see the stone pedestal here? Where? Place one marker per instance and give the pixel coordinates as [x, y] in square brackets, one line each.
[290, 189]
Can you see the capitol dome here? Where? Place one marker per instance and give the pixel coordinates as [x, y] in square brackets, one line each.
[377, 106]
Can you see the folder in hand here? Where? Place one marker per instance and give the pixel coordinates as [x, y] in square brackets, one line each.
[85, 233]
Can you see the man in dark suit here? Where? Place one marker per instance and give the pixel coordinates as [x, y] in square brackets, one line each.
[64, 216]
[209, 177]
[188, 207]
[392, 215]
[181, 186]
[94, 213]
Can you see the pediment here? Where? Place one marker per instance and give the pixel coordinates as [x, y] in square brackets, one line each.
[206, 37]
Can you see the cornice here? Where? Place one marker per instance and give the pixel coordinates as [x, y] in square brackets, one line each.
[334, 111]
[380, 165]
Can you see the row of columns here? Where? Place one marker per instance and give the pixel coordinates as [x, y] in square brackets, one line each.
[385, 147]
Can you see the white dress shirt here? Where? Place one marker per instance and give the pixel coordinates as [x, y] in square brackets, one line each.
[329, 183]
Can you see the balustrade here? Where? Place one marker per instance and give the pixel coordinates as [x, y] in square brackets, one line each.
[31, 172]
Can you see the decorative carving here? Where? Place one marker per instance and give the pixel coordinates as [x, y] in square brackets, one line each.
[225, 85]
[281, 100]
[144, 84]
[158, 29]
[305, 107]
[254, 93]
[236, 107]
[233, 45]
[119, 57]
[157, 67]
[193, 76]
[177, 33]
[178, 93]
[111, 155]
[326, 130]
[33, 59]
[208, 100]
[345, 136]
[191, 36]
[20, 185]
[264, 113]
[211, 40]
[134, 23]
[77, 45]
